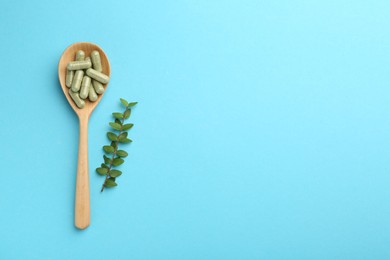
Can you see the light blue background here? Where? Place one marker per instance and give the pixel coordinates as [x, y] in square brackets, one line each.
[262, 130]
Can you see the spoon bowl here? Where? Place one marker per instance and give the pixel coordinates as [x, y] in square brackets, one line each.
[69, 55]
[82, 200]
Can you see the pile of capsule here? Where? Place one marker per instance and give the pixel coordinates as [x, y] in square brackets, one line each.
[84, 77]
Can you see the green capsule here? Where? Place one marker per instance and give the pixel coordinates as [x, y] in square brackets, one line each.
[76, 83]
[69, 77]
[96, 63]
[79, 65]
[102, 78]
[92, 94]
[98, 86]
[84, 90]
[80, 55]
[76, 98]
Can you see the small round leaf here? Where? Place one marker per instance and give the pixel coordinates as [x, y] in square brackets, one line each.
[118, 115]
[117, 161]
[122, 153]
[115, 173]
[116, 126]
[102, 171]
[122, 136]
[108, 149]
[127, 127]
[110, 183]
[126, 140]
[118, 121]
[106, 159]
[124, 102]
[132, 104]
[127, 113]
[112, 136]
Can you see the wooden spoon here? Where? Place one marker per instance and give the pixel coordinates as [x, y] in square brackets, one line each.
[82, 204]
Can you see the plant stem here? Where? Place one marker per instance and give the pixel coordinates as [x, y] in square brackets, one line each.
[113, 155]
[109, 168]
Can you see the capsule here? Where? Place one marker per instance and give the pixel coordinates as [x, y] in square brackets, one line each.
[88, 59]
[85, 87]
[76, 83]
[80, 55]
[76, 98]
[79, 65]
[92, 94]
[99, 89]
[69, 77]
[96, 63]
[102, 78]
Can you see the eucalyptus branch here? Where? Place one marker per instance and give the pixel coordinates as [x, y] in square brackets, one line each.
[116, 159]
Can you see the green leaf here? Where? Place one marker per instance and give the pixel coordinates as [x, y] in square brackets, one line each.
[110, 183]
[122, 136]
[104, 166]
[127, 127]
[127, 113]
[102, 171]
[122, 153]
[116, 126]
[118, 115]
[113, 144]
[118, 121]
[132, 104]
[108, 149]
[117, 161]
[124, 102]
[115, 173]
[106, 159]
[126, 140]
[112, 136]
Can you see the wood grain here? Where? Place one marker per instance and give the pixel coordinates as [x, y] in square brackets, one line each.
[82, 198]
[82, 202]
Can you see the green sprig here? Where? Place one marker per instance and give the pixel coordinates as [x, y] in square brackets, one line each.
[114, 156]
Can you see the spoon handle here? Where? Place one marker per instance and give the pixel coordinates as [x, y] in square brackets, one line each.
[82, 204]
